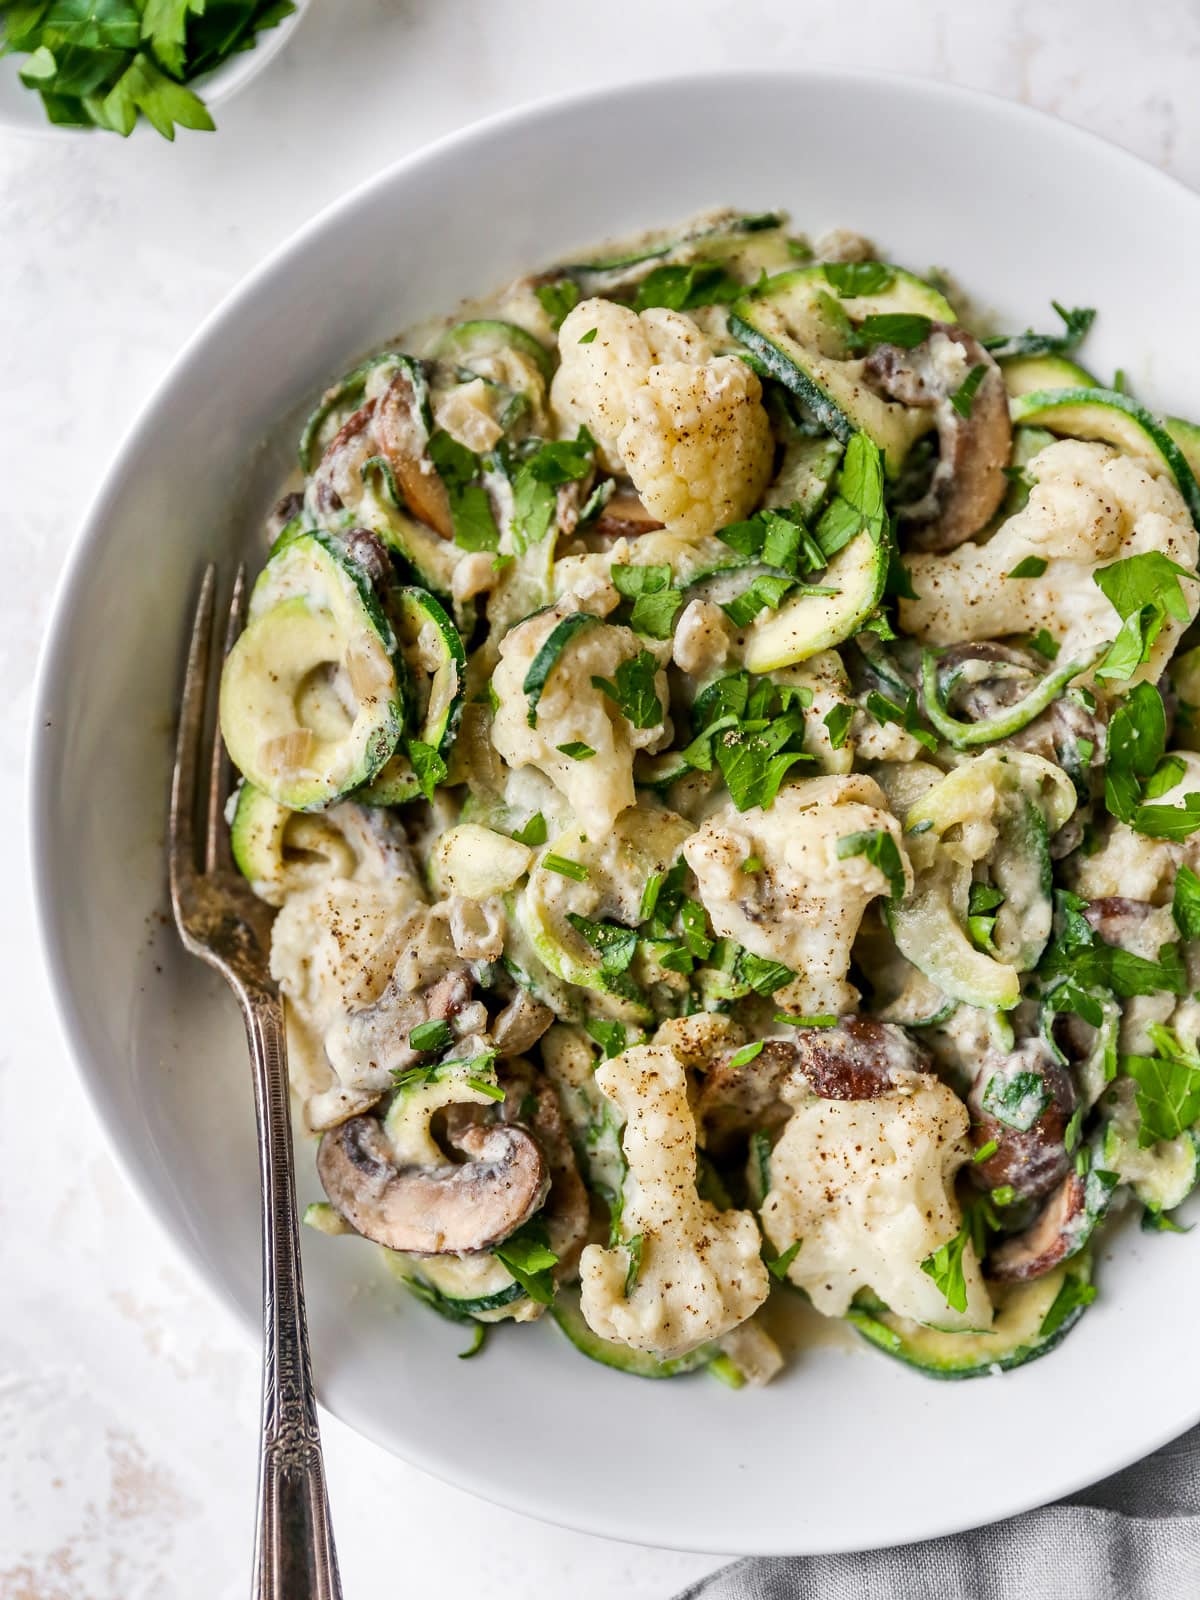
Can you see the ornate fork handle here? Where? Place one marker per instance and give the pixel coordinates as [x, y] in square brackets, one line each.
[295, 1557]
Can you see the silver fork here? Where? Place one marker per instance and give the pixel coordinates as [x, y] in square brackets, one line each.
[223, 923]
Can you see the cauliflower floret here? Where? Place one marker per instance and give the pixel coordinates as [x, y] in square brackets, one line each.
[866, 1186]
[571, 710]
[804, 904]
[700, 1272]
[686, 425]
[1089, 507]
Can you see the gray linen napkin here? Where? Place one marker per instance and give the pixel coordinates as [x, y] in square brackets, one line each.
[1135, 1536]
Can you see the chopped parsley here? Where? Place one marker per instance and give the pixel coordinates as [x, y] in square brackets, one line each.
[1144, 590]
[852, 278]
[633, 1248]
[1029, 567]
[1045, 644]
[576, 749]
[905, 329]
[858, 504]
[963, 398]
[633, 692]
[765, 592]
[565, 867]
[881, 850]
[1078, 953]
[589, 336]
[1075, 324]
[778, 1265]
[1017, 1101]
[610, 1036]
[1185, 907]
[1135, 770]
[470, 509]
[616, 945]
[985, 1151]
[906, 716]
[428, 766]
[537, 481]
[557, 298]
[1073, 1295]
[778, 537]
[682, 287]
[432, 1035]
[528, 1256]
[945, 1267]
[837, 721]
[655, 601]
[534, 832]
[1168, 1087]
[764, 976]
[746, 1054]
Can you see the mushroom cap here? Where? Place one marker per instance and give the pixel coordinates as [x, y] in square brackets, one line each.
[1031, 1161]
[454, 1209]
[1057, 1233]
[402, 440]
[968, 482]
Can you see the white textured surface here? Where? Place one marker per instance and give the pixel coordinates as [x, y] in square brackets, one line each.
[127, 1398]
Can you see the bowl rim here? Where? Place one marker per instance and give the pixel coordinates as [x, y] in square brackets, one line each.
[51, 673]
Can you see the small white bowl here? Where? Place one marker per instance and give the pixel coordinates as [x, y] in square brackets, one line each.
[21, 109]
[847, 1449]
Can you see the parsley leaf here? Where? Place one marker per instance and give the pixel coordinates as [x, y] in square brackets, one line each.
[1017, 1100]
[610, 1036]
[633, 692]
[776, 536]
[565, 867]
[557, 298]
[428, 765]
[680, 287]
[857, 506]
[906, 716]
[837, 720]
[1143, 590]
[764, 976]
[655, 602]
[1168, 1088]
[905, 329]
[945, 1267]
[1079, 954]
[1045, 644]
[576, 749]
[1137, 735]
[633, 1248]
[1072, 1296]
[616, 945]
[1185, 907]
[1029, 567]
[852, 278]
[528, 1256]
[881, 850]
[963, 398]
[537, 481]
[742, 1057]
[534, 832]
[778, 1265]
[1076, 324]
[764, 592]
[432, 1035]
[754, 764]
[470, 509]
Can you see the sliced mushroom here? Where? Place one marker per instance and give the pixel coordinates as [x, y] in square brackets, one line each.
[624, 517]
[452, 1209]
[402, 438]
[337, 482]
[1059, 1231]
[368, 551]
[1118, 920]
[968, 482]
[288, 506]
[521, 1024]
[858, 1059]
[531, 1102]
[1032, 1160]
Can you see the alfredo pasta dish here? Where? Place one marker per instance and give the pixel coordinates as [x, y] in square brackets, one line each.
[718, 725]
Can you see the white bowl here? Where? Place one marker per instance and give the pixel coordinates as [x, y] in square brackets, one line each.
[849, 1449]
[21, 109]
